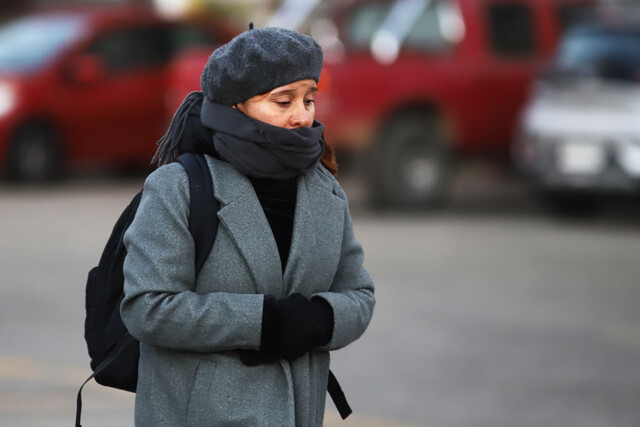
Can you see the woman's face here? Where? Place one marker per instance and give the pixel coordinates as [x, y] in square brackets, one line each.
[289, 106]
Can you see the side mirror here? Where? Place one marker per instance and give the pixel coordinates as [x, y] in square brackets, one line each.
[85, 69]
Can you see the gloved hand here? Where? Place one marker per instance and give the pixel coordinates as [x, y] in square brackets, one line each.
[322, 313]
[290, 328]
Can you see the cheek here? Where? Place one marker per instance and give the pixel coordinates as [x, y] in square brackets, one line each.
[274, 118]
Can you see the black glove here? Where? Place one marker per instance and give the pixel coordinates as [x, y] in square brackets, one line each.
[322, 313]
[290, 328]
[294, 325]
[256, 357]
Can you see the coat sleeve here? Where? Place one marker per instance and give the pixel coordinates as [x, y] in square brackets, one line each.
[159, 307]
[351, 295]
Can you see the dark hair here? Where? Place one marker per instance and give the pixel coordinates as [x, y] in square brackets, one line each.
[328, 158]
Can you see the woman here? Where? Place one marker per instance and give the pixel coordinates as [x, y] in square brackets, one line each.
[246, 342]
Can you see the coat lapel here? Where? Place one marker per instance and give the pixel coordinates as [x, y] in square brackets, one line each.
[317, 232]
[244, 219]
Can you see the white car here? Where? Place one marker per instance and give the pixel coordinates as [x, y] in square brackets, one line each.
[580, 132]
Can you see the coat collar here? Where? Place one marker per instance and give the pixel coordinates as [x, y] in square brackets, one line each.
[319, 219]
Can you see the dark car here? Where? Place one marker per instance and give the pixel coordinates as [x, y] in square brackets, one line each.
[88, 86]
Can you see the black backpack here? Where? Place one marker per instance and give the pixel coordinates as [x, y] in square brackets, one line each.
[114, 353]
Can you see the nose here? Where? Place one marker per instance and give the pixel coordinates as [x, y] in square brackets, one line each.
[301, 117]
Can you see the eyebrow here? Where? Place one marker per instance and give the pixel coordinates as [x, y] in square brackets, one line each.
[312, 89]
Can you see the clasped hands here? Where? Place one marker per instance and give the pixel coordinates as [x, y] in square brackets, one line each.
[291, 327]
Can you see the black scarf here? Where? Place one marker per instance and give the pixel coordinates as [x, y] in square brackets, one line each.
[258, 149]
[255, 148]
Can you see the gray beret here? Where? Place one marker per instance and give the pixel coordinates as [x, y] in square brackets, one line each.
[258, 61]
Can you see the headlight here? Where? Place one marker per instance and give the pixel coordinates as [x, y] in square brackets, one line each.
[7, 97]
[629, 157]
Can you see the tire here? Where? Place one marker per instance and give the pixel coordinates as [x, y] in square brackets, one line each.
[570, 205]
[34, 155]
[412, 165]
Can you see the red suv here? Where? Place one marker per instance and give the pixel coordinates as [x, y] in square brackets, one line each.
[413, 82]
[88, 86]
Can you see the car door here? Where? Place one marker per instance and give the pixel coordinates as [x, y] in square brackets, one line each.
[120, 113]
[505, 71]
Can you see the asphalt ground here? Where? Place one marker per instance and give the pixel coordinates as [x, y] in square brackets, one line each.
[491, 312]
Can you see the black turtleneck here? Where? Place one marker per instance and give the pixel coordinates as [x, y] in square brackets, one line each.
[278, 200]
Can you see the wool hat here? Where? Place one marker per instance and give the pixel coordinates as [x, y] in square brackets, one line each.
[258, 61]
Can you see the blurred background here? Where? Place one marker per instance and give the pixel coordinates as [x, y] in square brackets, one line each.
[490, 150]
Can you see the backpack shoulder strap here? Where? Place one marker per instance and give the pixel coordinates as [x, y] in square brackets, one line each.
[338, 397]
[203, 226]
[203, 215]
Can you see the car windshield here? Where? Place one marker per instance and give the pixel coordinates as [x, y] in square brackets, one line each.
[608, 54]
[28, 43]
[424, 24]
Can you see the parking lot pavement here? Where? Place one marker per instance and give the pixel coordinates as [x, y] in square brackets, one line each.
[36, 393]
[490, 313]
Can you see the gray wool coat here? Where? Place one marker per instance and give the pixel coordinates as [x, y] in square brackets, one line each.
[189, 327]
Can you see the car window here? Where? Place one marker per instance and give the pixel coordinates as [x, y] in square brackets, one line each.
[414, 24]
[29, 42]
[366, 19]
[185, 36]
[133, 48]
[608, 54]
[437, 27]
[571, 14]
[511, 29]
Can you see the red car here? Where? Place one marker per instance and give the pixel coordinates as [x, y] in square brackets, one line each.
[409, 84]
[412, 84]
[88, 86]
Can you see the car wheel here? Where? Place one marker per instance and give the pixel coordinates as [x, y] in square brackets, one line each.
[412, 165]
[34, 155]
[570, 205]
